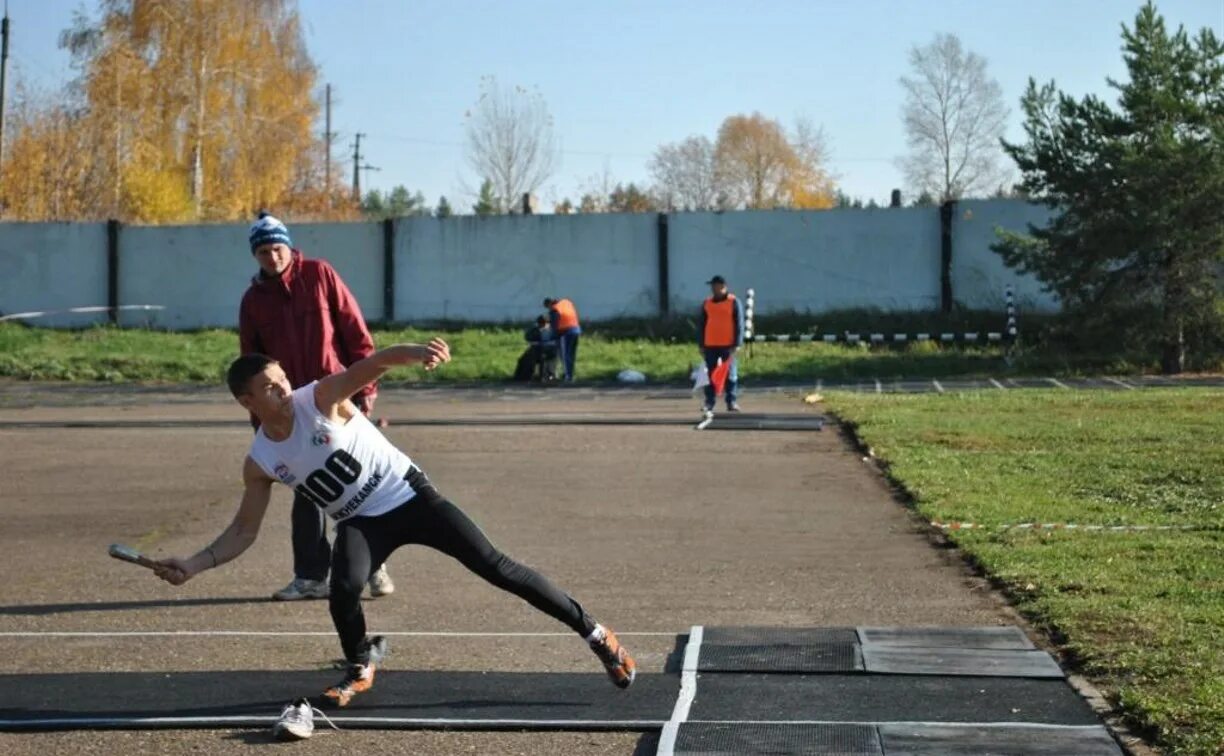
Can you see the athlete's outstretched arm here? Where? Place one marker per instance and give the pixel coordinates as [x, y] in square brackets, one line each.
[335, 389]
[235, 539]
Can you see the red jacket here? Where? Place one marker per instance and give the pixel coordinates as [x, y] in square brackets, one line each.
[307, 320]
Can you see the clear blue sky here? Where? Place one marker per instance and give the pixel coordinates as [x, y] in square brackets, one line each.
[621, 78]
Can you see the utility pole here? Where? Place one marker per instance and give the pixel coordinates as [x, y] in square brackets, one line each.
[358, 167]
[327, 142]
[4, 32]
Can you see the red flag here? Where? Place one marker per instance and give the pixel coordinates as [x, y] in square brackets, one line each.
[718, 376]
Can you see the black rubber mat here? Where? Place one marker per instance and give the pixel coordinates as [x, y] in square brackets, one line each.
[400, 700]
[929, 740]
[776, 636]
[733, 739]
[977, 662]
[718, 739]
[747, 421]
[886, 698]
[823, 657]
[951, 637]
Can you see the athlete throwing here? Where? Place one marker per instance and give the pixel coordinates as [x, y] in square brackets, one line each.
[317, 442]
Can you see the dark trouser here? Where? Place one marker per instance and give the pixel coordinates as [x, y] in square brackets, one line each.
[546, 361]
[712, 356]
[311, 551]
[568, 344]
[430, 520]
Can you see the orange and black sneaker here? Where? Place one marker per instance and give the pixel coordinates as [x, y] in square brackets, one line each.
[616, 659]
[359, 677]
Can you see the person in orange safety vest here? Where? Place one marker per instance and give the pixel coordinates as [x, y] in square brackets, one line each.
[563, 318]
[720, 334]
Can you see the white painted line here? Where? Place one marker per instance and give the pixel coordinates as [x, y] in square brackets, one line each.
[667, 739]
[938, 386]
[282, 634]
[1057, 382]
[688, 691]
[1123, 384]
[1072, 526]
[1030, 725]
[879, 388]
[996, 384]
[256, 720]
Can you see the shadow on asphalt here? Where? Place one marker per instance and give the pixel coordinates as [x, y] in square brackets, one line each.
[38, 610]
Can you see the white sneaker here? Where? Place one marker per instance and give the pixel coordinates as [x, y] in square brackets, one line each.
[380, 583]
[301, 588]
[296, 722]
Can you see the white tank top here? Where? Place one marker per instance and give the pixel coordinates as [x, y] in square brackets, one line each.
[347, 470]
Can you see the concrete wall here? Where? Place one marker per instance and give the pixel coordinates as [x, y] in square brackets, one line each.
[53, 266]
[978, 274]
[809, 260]
[199, 273]
[355, 250]
[500, 268]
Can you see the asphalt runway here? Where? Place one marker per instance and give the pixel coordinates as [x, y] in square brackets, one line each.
[654, 527]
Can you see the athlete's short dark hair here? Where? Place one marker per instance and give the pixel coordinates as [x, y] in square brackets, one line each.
[243, 369]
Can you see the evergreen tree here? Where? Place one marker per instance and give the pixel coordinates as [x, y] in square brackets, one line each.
[1136, 191]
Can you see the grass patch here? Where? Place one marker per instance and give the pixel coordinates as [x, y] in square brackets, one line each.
[1141, 613]
[110, 354]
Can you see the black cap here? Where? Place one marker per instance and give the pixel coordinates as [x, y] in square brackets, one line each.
[717, 280]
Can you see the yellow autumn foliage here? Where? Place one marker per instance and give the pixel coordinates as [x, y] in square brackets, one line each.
[189, 110]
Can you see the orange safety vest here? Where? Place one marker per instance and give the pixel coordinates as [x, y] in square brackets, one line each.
[719, 322]
[567, 315]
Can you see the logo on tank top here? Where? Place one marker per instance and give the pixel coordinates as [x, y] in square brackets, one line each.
[321, 438]
[282, 472]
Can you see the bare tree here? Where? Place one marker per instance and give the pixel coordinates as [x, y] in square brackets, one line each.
[510, 140]
[684, 175]
[954, 118]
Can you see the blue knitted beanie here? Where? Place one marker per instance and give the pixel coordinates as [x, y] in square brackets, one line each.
[268, 230]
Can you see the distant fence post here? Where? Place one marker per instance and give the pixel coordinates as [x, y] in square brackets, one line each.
[749, 315]
[112, 270]
[664, 283]
[388, 270]
[945, 255]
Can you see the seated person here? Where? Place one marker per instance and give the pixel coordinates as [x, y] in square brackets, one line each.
[539, 362]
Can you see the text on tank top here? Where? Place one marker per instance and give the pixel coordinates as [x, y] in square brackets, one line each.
[346, 470]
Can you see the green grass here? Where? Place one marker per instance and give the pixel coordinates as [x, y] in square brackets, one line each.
[1140, 613]
[489, 354]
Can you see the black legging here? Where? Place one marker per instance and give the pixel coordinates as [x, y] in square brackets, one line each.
[430, 520]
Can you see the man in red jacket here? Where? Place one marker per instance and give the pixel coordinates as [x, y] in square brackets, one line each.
[301, 314]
